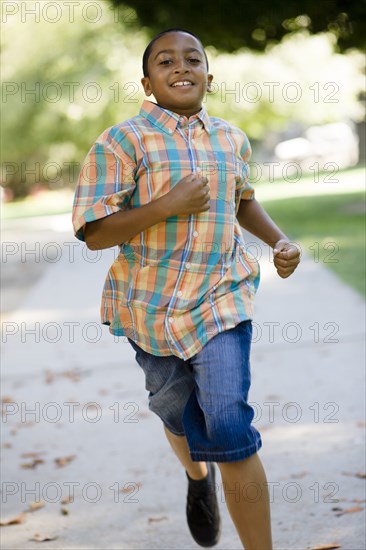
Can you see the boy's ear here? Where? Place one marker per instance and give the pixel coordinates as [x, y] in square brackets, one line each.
[145, 81]
[209, 82]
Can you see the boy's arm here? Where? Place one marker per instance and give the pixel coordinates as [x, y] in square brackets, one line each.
[252, 217]
[189, 196]
[122, 226]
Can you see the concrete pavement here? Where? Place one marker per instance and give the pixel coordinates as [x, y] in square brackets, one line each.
[74, 398]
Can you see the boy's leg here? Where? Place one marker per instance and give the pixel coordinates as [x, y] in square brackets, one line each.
[247, 499]
[195, 470]
[218, 424]
[245, 478]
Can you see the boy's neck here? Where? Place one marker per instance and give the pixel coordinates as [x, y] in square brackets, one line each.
[181, 112]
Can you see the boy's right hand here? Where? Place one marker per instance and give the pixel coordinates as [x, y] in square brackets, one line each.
[190, 196]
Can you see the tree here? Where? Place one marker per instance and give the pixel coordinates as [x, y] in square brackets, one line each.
[241, 23]
[56, 100]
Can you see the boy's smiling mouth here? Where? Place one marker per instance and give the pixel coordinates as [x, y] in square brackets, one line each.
[182, 83]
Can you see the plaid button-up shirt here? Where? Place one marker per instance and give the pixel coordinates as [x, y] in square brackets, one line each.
[182, 281]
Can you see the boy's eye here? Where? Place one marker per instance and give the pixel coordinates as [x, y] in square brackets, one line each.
[192, 60]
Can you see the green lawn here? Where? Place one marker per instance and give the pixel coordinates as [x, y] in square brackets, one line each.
[331, 228]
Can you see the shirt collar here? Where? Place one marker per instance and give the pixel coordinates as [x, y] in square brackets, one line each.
[168, 120]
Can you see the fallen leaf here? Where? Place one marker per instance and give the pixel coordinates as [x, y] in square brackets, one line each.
[361, 424]
[358, 500]
[63, 461]
[41, 537]
[49, 377]
[13, 521]
[32, 464]
[350, 510]
[361, 475]
[157, 519]
[299, 475]
[131, 487]
[7, 399]
[34, 506]
[7, 446]
[34, 454]
[67, 500]
[72, 400]
[72, 375]
[327, 546]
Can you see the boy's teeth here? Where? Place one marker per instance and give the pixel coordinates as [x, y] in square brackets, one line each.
[183, 83]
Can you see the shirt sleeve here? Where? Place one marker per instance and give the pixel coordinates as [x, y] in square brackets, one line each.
[105, 186]
[243, 189]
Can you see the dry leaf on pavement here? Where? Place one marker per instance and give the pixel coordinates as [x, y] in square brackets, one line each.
[7, 399]
[64, 460]
[130, 488]
[67, 500]
[42, 537]
[32, 454]
[157, 519]
[32, 464]
[13, 521]
[34, 506]
[327, 546]
[349, 511]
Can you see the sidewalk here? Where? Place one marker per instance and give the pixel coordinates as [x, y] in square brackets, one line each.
[90, 410]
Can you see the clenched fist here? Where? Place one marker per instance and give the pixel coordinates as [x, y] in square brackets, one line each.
[286, 257]
[190, 196]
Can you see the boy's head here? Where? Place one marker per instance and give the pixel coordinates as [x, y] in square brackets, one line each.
[175, 71]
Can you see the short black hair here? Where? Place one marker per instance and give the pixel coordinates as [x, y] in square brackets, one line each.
[147, 52]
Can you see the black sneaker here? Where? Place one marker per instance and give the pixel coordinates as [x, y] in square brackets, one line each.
[203, 515]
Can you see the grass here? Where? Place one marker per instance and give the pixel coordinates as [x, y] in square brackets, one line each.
[331, 228]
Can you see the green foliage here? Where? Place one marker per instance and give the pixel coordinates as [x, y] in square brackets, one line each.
[62, 86]
[86, 76]
[231, 26]
[330, 228]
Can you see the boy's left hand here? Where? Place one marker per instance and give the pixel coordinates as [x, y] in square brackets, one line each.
[286, 257]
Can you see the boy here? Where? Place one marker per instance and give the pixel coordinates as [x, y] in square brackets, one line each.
[170, 188]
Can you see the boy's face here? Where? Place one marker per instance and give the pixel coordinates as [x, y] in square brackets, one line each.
[176, 58]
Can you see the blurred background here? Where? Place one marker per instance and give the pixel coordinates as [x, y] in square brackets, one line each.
[291, 76]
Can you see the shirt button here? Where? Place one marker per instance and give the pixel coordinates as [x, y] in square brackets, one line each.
[180, 293]
[188, 265]
[171, 319]
[195, 233]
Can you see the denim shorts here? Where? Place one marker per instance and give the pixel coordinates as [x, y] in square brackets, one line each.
[205, 397]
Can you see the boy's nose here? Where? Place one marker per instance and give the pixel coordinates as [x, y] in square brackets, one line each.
[181, 67]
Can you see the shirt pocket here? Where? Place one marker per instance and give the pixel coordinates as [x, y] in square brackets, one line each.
[157, 177]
